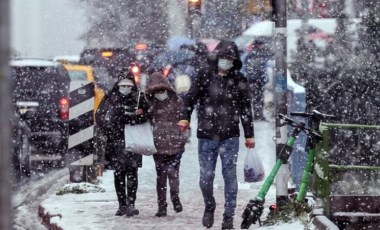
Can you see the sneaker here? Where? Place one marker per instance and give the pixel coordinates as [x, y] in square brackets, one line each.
[177, 206]
[208, 218]
[228, 222]
[132, 211]
[121, 211]
[161, 211]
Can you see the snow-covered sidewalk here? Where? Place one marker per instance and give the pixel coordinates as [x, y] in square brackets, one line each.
[97, 210]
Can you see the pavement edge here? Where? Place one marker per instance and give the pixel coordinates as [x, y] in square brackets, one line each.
[46, 217]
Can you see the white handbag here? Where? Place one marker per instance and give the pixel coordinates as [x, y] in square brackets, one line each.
[139, 138]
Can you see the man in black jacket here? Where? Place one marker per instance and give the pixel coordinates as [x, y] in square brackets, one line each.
[221, 95]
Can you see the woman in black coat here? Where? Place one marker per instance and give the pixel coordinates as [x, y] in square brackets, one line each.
[118, 108]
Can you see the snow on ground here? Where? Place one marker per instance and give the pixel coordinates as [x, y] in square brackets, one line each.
[96, 210]
[27, 197]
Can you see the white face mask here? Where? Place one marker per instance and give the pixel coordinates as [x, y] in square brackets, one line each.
[225, 64]
[125, 90]
[161, 96]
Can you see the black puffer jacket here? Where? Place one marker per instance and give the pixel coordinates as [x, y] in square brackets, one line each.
[223, 101]
[114, 112]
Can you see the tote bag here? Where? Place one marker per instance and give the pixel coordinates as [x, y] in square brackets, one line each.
[253, 167]
[139, 138]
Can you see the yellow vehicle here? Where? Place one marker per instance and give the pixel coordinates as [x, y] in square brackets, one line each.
[85, 73]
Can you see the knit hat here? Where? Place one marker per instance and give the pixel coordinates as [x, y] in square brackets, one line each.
[126, 82]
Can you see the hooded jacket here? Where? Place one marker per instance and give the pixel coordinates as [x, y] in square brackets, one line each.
[165, 115]
[223, 101]
[228, 49]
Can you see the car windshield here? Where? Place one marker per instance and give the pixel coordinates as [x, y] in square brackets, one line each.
[33, 82]
[77, 75]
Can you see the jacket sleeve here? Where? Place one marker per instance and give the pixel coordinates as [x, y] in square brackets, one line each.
[102, 114]
[190, 99]
[245, 108]
[131, 118]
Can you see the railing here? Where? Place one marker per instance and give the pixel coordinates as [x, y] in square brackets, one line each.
[347, 167]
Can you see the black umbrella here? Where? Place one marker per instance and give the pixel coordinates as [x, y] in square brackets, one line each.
[171, 57]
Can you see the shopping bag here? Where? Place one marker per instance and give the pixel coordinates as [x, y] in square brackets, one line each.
[139, 139]
[253, 167]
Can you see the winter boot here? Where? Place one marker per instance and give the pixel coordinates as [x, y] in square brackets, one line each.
[228, 222]
[177, 206]
[208, 217]
[131, 210]
[121, 211]
[161, 210]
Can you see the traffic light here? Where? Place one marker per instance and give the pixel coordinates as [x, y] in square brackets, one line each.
[194, 6]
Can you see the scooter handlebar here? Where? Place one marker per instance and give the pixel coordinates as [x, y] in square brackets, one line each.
[314, 113]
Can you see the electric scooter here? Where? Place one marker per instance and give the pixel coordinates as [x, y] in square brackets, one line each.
[255, 207]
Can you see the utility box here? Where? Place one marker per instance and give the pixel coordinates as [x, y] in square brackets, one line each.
[346, 176]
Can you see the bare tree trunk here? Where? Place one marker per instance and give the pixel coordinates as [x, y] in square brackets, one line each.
[5, 204]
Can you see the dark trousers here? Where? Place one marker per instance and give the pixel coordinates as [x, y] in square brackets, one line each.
[208, 152]
[120, 176]
[167, 168]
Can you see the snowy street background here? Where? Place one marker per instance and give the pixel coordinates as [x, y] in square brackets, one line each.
[96, 210]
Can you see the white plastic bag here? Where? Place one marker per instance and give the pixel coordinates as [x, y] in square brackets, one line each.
[139, 139]
[253, 167]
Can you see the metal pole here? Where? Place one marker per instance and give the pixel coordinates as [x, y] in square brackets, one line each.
[5, 142]
[280, 96]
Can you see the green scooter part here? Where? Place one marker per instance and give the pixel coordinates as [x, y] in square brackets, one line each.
[305, 177]
[282, 158]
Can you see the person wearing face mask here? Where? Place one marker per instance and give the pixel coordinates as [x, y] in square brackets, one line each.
[164, 108]
[117, 109]
[220, 93]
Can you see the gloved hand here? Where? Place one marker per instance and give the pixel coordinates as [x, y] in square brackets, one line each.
[183, 125]
[250, 143]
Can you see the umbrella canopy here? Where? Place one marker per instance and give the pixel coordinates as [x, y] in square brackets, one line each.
[171, 57]
[263, 28]
[175, 42]
[210, 43]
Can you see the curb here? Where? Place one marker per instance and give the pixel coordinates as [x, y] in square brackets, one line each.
[46, 217]
[321, 222]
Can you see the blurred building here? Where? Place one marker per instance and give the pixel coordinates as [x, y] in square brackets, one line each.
[257, 10]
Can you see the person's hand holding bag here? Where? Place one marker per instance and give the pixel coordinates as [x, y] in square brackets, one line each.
[183, 125]
[250, 143]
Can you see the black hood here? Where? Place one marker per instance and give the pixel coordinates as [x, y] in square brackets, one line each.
[228, 49]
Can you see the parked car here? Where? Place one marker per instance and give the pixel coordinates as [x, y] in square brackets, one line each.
[40, 91]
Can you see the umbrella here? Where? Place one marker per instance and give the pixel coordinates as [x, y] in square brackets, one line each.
[175, 42]
[170, 57]
[263, 28]
[210, 43]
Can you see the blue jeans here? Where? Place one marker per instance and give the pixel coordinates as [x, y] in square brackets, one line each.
[208, 151]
